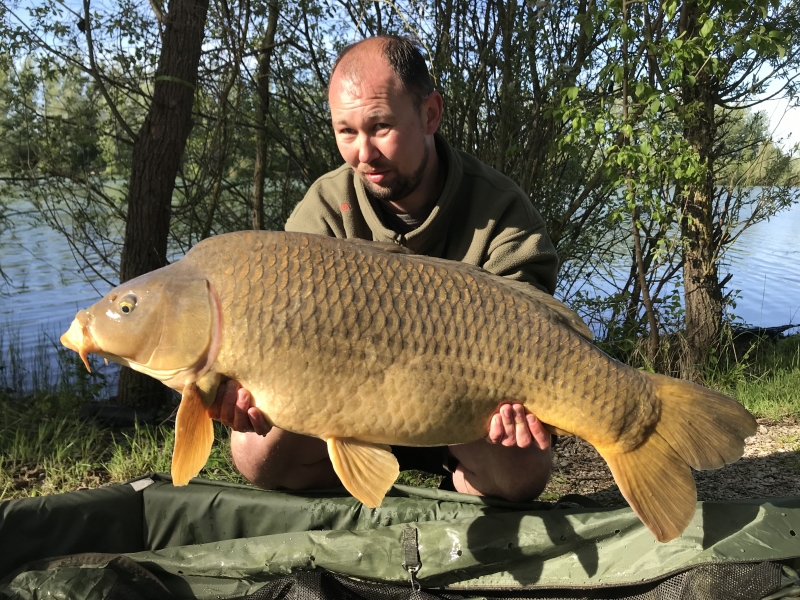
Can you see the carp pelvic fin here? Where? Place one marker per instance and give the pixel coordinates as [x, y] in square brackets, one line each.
[194, 430]
[366, 470]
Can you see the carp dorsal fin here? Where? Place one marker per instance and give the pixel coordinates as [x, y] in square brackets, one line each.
[385, 246]
[563, 313]
[366, 470]
[560, 311]
[194, 429]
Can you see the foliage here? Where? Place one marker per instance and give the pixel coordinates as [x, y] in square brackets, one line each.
[592, 107]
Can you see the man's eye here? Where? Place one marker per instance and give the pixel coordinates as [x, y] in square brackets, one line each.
[380, 126]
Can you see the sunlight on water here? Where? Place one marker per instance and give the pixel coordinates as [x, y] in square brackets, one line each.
[764, 264]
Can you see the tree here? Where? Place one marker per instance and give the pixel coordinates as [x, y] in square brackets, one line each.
[594, 107]
[676, 71]
[157, 152]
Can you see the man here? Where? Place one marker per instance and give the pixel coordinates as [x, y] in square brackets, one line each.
[402, 183]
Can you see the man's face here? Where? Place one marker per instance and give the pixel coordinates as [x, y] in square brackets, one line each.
[379, 131]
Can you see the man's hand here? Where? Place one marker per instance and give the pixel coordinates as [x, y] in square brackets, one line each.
[512, 426]
[234, 408]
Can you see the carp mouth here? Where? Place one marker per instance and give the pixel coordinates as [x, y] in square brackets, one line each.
[79, 338]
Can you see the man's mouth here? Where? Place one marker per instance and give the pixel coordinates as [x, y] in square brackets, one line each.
[377, 176]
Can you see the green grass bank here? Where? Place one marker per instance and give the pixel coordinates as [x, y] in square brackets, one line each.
[47, 448]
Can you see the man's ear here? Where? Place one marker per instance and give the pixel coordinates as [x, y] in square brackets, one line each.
[432, 112]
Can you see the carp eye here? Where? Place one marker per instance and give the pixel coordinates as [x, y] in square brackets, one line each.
[127, 304]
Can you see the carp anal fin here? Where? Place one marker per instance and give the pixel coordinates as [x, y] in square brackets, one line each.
[366, 470]
[194, 434]
[557, 431]
[658, 485]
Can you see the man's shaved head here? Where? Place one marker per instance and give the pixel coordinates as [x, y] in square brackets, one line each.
[402, 55]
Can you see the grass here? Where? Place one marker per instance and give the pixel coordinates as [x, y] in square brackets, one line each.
[767, 383]
[49, 455]
[47, 448]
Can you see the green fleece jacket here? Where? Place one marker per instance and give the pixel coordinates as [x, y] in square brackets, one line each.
[481, 218]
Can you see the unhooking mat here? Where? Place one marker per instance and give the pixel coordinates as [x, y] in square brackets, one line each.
[149, 539]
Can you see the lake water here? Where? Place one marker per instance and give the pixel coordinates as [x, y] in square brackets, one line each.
[46, 288]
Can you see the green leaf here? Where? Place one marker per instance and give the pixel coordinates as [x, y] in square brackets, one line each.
[572, 93]
[600, 125]
[706, 28]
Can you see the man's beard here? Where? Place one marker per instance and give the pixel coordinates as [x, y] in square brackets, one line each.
[402, 186]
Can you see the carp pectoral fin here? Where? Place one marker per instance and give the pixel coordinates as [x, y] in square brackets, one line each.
[194, 431]
[658, 485]
[557, 431]
[366, 470]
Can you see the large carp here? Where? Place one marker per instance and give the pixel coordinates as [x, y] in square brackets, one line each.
[364, 345]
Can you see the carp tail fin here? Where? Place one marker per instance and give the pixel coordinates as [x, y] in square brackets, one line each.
[706, 428]
[658, 485]
[366, 470]
[194, 435]
[697, 428]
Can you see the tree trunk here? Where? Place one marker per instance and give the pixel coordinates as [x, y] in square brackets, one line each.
[702, 291]
[506, 17]
[156, 157]
[262, 110]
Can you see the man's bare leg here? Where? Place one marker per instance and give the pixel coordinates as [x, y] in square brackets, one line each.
[282, 459]
[267, 456]
[515, 466]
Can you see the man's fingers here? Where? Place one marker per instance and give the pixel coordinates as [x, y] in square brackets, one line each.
[213, 410]
[241, 419]
[509, 427]
[540, 434]
[227, 412]
[523, 434]
[513, 426]
[258, 421]
[496, 431]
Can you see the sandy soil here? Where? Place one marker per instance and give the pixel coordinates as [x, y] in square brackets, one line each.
[770, 467]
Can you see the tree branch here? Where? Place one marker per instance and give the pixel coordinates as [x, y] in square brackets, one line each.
[96, 74]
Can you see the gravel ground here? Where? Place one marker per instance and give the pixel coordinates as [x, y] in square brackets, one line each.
[770, 467]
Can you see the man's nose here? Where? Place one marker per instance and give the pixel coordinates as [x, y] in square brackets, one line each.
[367, 151]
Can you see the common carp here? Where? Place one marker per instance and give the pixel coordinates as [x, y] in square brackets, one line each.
[363, 345]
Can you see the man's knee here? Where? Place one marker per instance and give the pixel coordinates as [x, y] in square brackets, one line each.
[249, 452]
[282, 459]
[511, 473]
